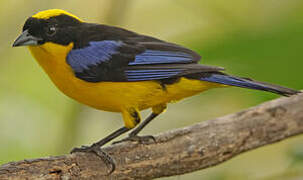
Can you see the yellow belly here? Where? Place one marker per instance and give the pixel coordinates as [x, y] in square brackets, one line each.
[111, 96]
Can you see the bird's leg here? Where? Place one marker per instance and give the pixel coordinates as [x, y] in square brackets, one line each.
[131, 117]
[96, 148]
[133, 136]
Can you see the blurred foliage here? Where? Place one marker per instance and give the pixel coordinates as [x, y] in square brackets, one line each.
[254, 38]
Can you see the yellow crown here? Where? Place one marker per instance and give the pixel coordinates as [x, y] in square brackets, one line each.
[52, 13]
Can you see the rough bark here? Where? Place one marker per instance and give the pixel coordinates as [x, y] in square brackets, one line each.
[178, 151]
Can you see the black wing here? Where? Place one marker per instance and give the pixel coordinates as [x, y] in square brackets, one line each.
[115, 54]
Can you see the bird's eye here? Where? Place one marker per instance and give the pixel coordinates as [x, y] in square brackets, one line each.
[51, 31]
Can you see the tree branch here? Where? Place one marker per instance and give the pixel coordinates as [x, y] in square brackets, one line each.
[178, 151]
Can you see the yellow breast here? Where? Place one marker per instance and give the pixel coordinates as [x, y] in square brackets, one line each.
[110, 96]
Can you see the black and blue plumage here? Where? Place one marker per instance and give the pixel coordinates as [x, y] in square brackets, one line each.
[113, 69]
[147, 64]
[125, 56]
[113, 54]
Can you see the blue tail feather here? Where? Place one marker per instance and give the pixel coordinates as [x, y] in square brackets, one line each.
[247, 83]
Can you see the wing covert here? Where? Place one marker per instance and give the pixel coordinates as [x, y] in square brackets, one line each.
[92, 55]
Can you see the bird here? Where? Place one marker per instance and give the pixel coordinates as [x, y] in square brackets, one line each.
[113, 69]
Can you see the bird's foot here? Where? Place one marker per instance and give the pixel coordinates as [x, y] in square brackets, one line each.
[140, 139]
[108, 160]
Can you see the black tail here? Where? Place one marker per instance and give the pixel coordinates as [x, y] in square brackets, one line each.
[247, 83]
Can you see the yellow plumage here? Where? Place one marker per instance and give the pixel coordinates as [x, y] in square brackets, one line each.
[105, 67]
[53, 12]
[112, 96]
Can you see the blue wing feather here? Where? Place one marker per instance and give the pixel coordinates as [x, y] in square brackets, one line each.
[95, 53]
[161, 57]
[152, 57]
[143, 75]
[99, 52]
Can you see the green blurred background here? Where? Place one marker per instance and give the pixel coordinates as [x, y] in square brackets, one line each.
[260, 39]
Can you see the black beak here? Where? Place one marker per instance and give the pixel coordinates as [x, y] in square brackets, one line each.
[25, 39]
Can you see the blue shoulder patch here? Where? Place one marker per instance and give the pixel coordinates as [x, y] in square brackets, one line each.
[95, 53]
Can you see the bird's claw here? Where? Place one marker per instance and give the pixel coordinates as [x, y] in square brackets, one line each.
[81, 149]
[140, 139]
[108, 160]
